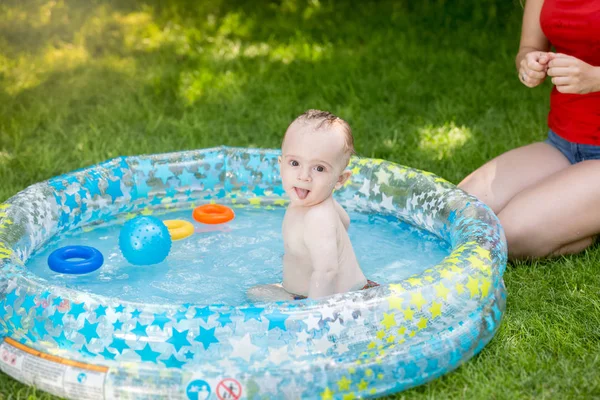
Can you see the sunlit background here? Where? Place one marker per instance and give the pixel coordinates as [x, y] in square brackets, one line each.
[426, 85]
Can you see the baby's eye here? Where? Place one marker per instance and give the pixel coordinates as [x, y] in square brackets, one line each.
[294, 163]
[320, 168]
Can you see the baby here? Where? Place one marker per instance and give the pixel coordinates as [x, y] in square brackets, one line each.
[319, 260]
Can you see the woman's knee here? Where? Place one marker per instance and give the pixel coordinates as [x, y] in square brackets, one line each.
[478, 184]
[522, 239]
[527, 241]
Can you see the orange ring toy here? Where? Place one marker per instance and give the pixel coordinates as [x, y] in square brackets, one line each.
[213, 214]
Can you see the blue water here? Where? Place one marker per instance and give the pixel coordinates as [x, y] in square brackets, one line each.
[219, 263]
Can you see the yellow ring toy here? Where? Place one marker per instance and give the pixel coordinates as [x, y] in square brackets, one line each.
[179, 229]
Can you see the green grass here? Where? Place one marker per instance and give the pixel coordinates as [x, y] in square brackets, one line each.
[428, 84]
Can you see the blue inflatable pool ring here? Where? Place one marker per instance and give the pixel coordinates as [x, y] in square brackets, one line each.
[145, 240]
[88, 259]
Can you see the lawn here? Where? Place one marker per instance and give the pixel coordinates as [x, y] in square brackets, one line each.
[428, 84]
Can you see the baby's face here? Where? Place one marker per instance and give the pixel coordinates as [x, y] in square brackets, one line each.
[312, 163]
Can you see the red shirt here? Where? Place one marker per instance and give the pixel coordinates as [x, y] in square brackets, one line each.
[573, 28]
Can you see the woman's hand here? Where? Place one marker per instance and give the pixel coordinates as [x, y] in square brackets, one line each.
[571, 75]
[532, 68]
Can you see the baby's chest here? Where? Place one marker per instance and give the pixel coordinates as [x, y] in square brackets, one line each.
[293, 235]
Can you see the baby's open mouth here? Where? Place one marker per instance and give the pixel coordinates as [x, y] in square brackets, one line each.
[301, 193]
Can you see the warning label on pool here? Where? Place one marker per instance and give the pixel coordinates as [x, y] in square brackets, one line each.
[229, 389]
[56, 375]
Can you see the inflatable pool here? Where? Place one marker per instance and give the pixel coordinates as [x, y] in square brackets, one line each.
[81, 343]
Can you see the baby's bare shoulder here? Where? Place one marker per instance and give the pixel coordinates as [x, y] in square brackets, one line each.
[321, 214]
[320, 226]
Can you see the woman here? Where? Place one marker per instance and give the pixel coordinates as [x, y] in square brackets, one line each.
[547, 194]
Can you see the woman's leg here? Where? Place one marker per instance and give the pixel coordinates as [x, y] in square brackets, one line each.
[499, 180]
[558, 215]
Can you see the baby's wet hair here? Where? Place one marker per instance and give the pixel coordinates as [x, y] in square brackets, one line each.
[325, 119]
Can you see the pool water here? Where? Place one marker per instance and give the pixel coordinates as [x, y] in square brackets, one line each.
[219, 263]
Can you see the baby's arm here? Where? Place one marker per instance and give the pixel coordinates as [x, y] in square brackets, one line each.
[343, 214]
[321, 240]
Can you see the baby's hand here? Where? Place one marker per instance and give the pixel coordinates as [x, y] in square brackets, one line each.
[534, 65]
[571, 75]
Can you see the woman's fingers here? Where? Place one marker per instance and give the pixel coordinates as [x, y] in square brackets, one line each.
[570, 89]
[536, 60]
[559, 71]
[561, 80]
[561, 62]
[534, 65]
[528, 80]
[535, 74]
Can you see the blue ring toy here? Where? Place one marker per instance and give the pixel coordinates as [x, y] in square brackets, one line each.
[59, 260]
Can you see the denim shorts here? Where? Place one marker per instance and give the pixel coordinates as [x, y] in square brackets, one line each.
[574, 152]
